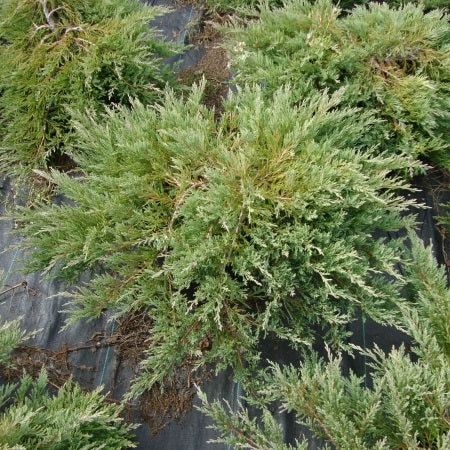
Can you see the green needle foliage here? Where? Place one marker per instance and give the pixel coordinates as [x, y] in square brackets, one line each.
[11, 335]
[226, 231]
[239, 5]
[393, 61]
[241, 431]
[33, 419]
[73, 53]
[408, 405]
[428, 4]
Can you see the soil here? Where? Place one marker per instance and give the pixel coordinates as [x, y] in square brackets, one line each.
[171, 400]
[32, 360]
[213, 66]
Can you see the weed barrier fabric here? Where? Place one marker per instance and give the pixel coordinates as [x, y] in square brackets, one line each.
[88, 350]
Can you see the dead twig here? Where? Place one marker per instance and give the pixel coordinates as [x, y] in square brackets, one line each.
[48, 14]
[16, 286]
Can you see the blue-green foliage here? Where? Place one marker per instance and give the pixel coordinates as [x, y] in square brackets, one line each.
[408, 405]
[226, 231]
[343, 4]
[31, 418]
[11, 335]
[428, 4]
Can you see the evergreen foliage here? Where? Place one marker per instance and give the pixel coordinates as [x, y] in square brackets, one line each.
[395, 62]
[33, 419]
[240, 5]
[241, 431]
[225, 5]
[75, 53]
[11, 335]
[226, 231]
[428, 4]
[408, 405]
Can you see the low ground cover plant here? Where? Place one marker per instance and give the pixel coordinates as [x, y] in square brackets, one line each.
[407, 406]
[270, 219]
[394, 61]
[55, 55]
[11, 335]
[31, 417]
[236, 5]
[226, 231]
[428, 4]
[345, 5]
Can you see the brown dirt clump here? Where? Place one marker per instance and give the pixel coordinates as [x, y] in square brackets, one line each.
[32, 360]
[213, 66]
[165, 402]
[173, 399]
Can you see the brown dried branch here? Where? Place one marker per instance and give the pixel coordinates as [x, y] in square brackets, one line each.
[16, 286]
